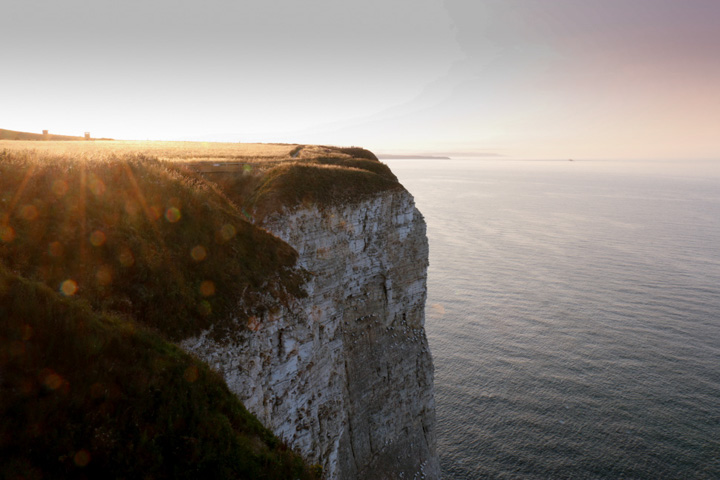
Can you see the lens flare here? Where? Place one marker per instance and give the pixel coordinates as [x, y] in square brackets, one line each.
[52, 380]
[7, 233]
[227, 232]
[97, 238]
[55, 249]
[172, 214]
[29, 212]
[69, 287]
[97, 186]
[207, 288]
[132, 207]
[82, 458]
[104, 275]
[191, 374]
[198, 253]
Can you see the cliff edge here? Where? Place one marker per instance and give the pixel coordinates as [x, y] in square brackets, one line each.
[344, 375]
[296, 273]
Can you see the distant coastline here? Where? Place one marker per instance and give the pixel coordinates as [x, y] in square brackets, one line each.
[383, 156]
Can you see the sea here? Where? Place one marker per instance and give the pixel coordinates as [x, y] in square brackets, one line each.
[573, 315]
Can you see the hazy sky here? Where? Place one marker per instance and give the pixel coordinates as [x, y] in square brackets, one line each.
[550, 78]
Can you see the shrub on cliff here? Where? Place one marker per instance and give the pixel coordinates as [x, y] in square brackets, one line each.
[310, 175]
[318, 182]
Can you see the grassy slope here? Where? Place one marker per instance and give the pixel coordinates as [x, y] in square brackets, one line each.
[99, 248]
[88, 394]
[137, 236]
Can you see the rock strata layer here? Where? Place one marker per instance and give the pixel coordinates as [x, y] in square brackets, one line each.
[345, 375]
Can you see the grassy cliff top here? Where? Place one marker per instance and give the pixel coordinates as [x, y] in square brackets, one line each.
[111, 251]
[182, 151]
[257, 179]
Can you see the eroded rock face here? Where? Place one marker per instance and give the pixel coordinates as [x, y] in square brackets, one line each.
[345, 375]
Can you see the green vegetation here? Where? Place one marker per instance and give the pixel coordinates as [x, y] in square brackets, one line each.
[354, 152]
[93, 395]
[320, 183]
[319, 176]
[111, 251]
[135, 235]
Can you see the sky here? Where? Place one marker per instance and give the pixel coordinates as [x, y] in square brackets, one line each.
[510, 78]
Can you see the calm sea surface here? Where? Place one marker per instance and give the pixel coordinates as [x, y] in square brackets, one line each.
[574, 316]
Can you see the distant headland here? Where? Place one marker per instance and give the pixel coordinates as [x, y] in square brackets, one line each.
[383, 156]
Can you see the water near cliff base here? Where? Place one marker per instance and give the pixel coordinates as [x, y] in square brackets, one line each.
[574, 316]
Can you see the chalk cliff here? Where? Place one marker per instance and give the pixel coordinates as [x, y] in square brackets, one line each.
[344, 375]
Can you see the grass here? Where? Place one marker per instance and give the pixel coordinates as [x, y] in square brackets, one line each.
[111, 251]
[150, 237]
[173, 151]
[313, 175]
[89, 395]
[135, 235]
[320, 184]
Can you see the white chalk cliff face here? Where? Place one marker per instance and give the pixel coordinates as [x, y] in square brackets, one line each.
[345, 375]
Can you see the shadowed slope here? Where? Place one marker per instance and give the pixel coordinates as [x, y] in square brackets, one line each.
[87, 394]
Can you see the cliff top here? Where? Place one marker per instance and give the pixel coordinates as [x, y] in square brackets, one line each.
[162, 150]
[186, 152]
[258, 178]
[111, 216]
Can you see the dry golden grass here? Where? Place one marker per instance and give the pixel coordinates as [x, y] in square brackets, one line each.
[205, 157]
[181, 151]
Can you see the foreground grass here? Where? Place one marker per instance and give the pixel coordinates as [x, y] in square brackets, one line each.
[97, 396]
